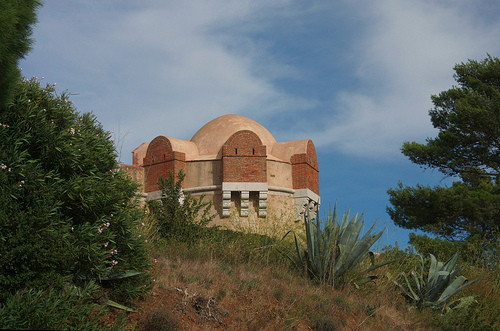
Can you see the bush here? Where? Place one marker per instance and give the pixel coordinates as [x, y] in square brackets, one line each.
[56, 309]
[68, 211]
[180, 216]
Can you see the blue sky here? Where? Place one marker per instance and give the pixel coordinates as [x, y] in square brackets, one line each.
[354, 76]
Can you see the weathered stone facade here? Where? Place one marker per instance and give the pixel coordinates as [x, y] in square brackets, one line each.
[237, 163]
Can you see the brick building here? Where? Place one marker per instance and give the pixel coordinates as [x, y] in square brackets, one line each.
[238, 164]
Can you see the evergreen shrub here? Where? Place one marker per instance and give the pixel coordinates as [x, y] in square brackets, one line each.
[67, 212]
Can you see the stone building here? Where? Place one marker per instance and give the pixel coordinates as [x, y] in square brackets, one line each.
[237, 163]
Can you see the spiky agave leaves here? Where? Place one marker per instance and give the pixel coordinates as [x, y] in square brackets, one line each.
[334, 248]
[441, 283]
[352, 249]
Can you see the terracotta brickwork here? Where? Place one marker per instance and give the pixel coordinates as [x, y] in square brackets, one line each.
[160, 160]
[244, 158]
[305, 171]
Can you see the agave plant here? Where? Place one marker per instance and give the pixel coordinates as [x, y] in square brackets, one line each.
[438, 286]
[334, 248]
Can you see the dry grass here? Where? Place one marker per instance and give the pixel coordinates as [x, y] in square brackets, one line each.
[236, 281]
[213, 292]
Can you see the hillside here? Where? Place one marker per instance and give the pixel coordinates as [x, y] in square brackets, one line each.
[241, 282]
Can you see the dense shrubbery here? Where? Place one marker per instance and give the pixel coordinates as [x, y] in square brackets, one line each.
[68, 212]
[58, 309]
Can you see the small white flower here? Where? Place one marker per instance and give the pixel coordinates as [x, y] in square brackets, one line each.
[106, 244]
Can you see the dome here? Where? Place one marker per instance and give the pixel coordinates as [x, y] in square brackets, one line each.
[215, 133]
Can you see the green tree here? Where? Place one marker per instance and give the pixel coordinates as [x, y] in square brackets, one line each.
[67, 210]
[180, 216]
[16, 21]
[467, 147]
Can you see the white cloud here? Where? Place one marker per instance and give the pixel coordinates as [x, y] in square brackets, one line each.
[406, 55]
[168, 67]
[163, 67]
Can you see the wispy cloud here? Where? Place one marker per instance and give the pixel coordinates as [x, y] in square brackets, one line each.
[406, 55]
[168, 67]
[164, 67]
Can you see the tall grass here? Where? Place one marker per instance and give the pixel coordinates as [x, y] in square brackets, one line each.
[255, 287]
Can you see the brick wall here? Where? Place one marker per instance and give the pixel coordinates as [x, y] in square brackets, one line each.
[159, 161]
[305, 170]
[244, 158]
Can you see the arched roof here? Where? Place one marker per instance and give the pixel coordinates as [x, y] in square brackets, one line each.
[215, 133]
[285, 150]
[172, 144]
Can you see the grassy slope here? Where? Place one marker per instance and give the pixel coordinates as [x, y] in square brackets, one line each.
[236, 281]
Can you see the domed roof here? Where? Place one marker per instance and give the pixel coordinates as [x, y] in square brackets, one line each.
[215, 133]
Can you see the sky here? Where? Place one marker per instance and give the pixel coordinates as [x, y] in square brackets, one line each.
[354, 76]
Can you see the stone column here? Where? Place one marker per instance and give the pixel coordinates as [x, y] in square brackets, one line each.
[262, 203]
[226, 203]
[245, 195]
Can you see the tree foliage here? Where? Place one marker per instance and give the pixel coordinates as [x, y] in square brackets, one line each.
[462, 210]
[16, 22]
[68, 211]
[466, 147]
[468, 119]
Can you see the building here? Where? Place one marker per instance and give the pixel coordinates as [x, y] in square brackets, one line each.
[236, 162]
